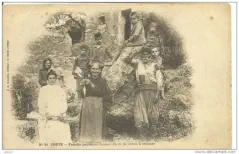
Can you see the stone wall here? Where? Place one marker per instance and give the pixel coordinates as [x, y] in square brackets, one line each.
[112, 34]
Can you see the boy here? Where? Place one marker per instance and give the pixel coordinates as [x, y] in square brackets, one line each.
[157, 56]
[133, 45]
[137, 36]
[99, 52]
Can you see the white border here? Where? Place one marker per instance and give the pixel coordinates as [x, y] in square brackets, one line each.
[234, 93]
[234, 75]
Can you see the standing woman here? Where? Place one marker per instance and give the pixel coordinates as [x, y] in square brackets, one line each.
[94, 105]
[52, 105]
[46, 67]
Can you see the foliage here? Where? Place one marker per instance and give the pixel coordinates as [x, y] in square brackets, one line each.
[24, 94]
[62, 21]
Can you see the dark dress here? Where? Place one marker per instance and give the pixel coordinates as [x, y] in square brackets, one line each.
[94, 111]
[43, 77]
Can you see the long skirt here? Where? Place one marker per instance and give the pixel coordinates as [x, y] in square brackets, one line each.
[146, 112]
[54, 132]
[117, 74]
[92, 119]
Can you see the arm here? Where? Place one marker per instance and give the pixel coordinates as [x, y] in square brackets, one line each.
[74, 66]
[42, 81]
[109, 53]
[42, 103]
[131, 60]
[116, 55]
[160, 84]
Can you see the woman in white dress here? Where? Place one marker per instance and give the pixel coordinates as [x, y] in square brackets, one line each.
[52, 105]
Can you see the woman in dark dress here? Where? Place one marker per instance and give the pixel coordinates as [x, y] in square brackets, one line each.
[94, 105]
[46, 67]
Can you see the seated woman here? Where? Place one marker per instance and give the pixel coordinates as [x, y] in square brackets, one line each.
[46, 67]
[52, 105]
[93, 108]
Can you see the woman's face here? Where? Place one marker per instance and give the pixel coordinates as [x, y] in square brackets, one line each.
[51, 79]
[48, 64]
[95, 70]
[145, 57]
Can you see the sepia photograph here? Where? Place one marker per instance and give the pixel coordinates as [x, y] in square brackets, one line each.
[117, 76]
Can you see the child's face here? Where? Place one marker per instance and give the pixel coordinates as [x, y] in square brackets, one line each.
[98, 41]
[133, 19]
[155, 52]
[83, 52]
[56, 64]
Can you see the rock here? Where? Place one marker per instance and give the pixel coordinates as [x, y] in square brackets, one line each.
[120, 117]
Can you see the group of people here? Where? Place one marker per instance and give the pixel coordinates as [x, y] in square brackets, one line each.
[91, 70]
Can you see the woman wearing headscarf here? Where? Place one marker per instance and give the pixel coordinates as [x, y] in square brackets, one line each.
[46, 67]
[94, 105]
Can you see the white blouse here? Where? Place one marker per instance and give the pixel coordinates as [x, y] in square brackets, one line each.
[52, 99]
[152, 75]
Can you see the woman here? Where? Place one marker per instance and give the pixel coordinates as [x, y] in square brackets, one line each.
[93, 109]
[149, 95]
[52, 105]
[46, 67]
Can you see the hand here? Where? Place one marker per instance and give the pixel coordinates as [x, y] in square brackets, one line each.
[48, 116]
[156, 98]
[87, 81]
[61, 117]
[75, 76]
[126, 42]
[108, 63]
[82, 82]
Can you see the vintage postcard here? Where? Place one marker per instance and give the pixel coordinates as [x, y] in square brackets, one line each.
[117, 76]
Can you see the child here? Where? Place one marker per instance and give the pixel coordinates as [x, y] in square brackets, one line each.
[60, 75]
[133, 45]
[100, 53]
[80, 67]
[137, 36]
[157, 56]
